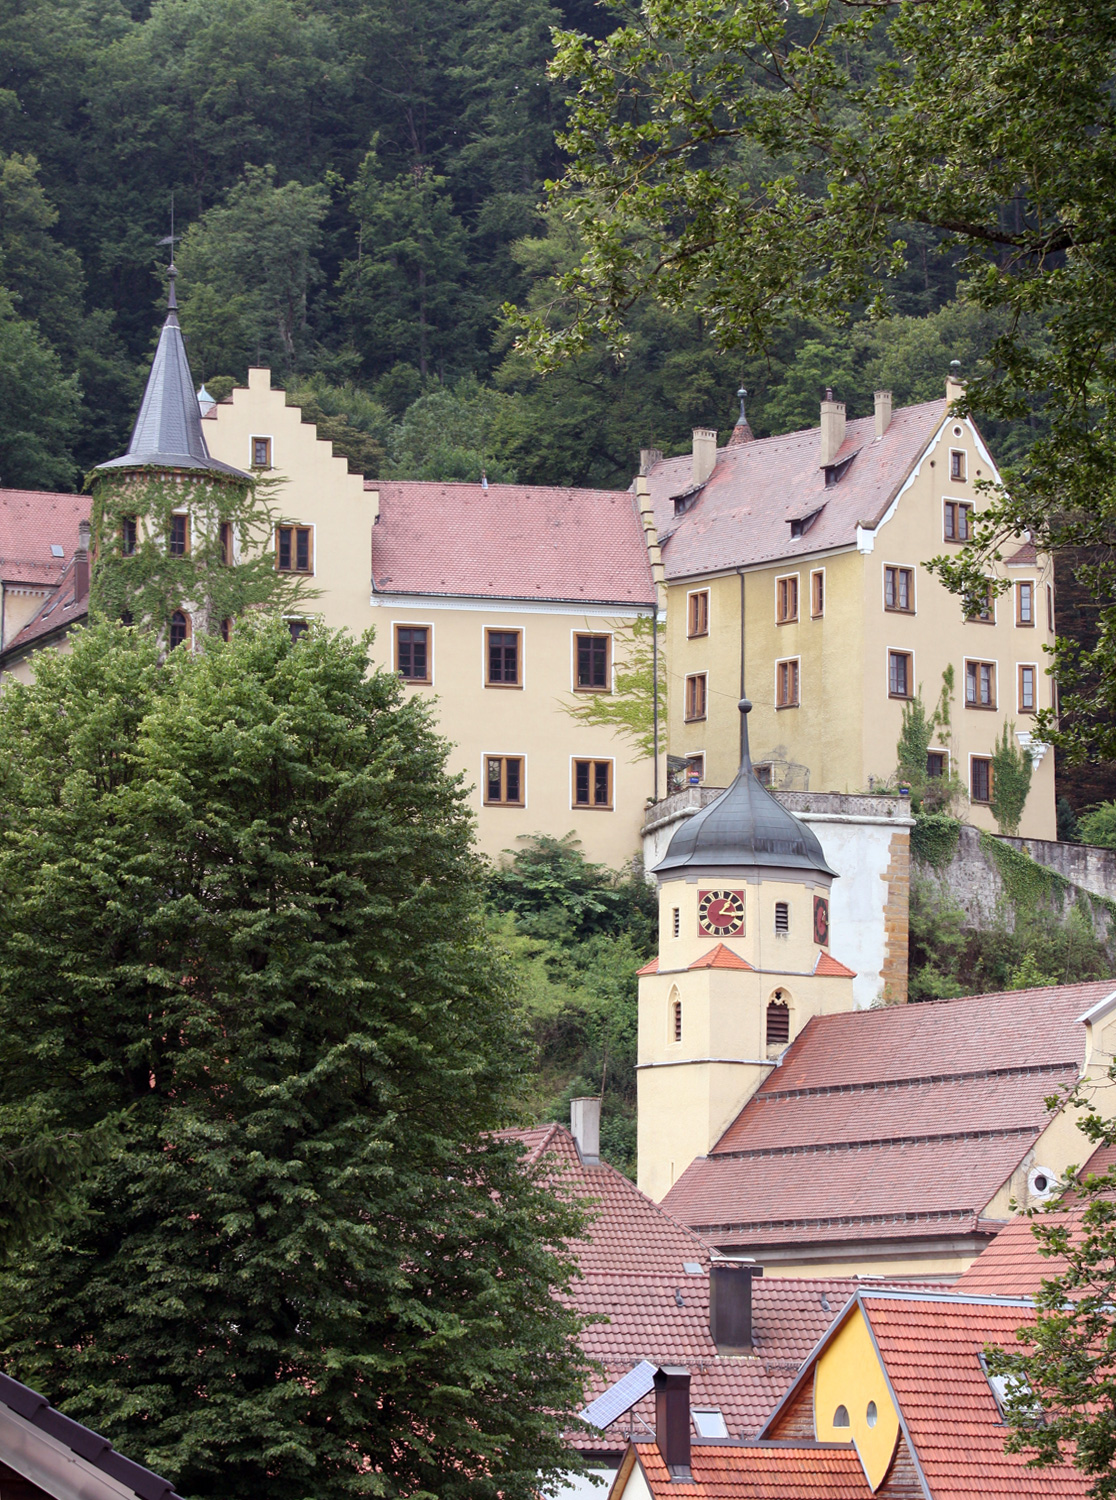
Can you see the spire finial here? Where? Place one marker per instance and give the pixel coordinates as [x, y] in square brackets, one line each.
[740, 396]
[172, 300]
[745, 708]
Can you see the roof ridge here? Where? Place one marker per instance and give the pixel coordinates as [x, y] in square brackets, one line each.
[871, 1085]
[922, 1216]
[818, 1147]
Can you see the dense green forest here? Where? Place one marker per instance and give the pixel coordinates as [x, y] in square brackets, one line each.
[357, 190]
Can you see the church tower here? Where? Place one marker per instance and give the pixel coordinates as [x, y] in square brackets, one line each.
[744, 962]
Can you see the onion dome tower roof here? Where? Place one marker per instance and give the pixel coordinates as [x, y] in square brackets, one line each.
[744, 828]
[168, 431]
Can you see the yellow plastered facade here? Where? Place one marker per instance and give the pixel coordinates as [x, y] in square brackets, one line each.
[849, 1379]
[528, 721]
[842, 736]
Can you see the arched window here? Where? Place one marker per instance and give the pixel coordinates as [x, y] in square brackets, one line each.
[778, 1021]
[841, 1417]
[179, 629]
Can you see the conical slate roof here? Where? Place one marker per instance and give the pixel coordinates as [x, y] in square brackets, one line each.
[168, 431]
[744, 828]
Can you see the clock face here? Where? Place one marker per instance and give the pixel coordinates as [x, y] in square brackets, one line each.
[720, 913]
[821, 921]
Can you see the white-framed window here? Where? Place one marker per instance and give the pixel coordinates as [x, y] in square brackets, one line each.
[294, 549]
[1026, 699]
[592, 661]
[899, 588]
[900, 674]
[414, 651]
[786, 599]
[697, 693]
[504, 780]
[591, 783]
[787, 684]
[980, 778]
[697, 613]
[1025, 602]
[817, 593]
[260, 447]
[503, 657]
[937, 764]
[980, 684]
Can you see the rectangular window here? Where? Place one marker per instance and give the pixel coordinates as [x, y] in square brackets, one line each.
[503, 658]
[225, 542]
[786, 599]
[128, 535]
[937, 764]
[695, 696]
[900, 674]
[957, 518]
[980, 779]
[261, 453]
[899, 589]
[592, 783]
[786, 684]
[676, 921]
[764, 773]
[676, 1019]
[956, 464]
[986, 614]
[782, 916]
[697, 614]
[1028, 689]
[179, 536]
[593, 663]
[1050, 606]
[695, 769]
[226, 629]
[503, 780]
[980, 684]
[1024, 604]
[817, 594]
[297, 628]
[412, 652]
[293, 550]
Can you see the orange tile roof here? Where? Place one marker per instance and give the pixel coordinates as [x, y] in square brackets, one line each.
[889, 1123]
[761, 1471]
[510, 541]
[826, 964]
[651, 968]
[720, 957]
[930, 1349]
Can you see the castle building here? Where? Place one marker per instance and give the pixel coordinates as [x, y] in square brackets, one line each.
[798, 564]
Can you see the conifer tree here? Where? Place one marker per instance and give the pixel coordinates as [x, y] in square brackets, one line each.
[240, 909]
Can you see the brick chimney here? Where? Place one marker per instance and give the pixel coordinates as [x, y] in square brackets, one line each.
[705, 453]
[585, 1127]
[730, 1307]
[81, 563]
[672, 1418]
[832, 428]
[883, 412]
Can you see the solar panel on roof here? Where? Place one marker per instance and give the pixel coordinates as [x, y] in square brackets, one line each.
[622, 1396]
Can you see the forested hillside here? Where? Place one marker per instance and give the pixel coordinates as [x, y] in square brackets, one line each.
[357, 189]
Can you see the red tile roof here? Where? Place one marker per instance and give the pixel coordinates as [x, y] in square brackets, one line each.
[827, 965]
[633, 1269]
[1025, 557]
[31, 521]
[889, 1123]
[57, 613]
[511, 541]
[931, 1349]
[742, 513]
[651, 968]
[720, 957]
[779, 1471]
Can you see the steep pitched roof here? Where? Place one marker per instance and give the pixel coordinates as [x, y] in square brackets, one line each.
[720, 957]
[634, 1273]
[510, 541]
[729, 1471]
[32, 522]
[56, 615]
[889, 1123]
[168, 433]
[744, 510]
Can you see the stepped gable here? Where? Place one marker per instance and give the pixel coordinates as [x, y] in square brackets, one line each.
[633, 1269]
[743, 512]
[168, 432]
[890, 1123]
[32, 522]
[510, 541]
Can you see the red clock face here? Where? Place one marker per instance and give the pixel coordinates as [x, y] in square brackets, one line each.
[821, 921]
[720, 913]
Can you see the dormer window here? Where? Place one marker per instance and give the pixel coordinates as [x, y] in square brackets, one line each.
[801, 524]
[710, 1424]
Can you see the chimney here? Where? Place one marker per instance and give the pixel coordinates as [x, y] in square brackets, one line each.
[883, 412]
[672, 1418]
[648, 458]
[955, 386]
[585, 1127]
[832, 428]
[705, 453]
[730, 1306]
[81, 563]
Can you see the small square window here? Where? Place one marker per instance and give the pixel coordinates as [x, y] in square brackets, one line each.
[980, 779]
[297, 628]
[817, 594]
[957, 464]
[1028, 689]
[980, 684]
[937, 764]
[294, 551]
[697, 614]
[708, 1424]
[503, 780]
[1025, 603]
[900, 674]
[412, 652]
[179, 543]
[128, 535]
[261, 453]
[786, 684]
[786, 599]
[957, 521]
[695, 696]
[503, 658]
[592, 784]
[593, 663]
[899, 590]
